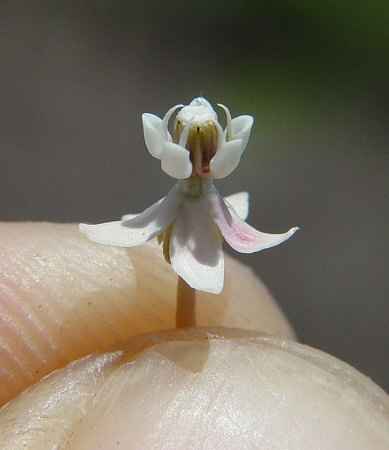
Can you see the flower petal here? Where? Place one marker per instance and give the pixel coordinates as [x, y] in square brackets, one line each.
[155, 131]
[139, 229]
[239, 235]
[241, 128]
[226, 159]
[175, 161]
[196, 249]
[239, 202]
[155, 134]
[128, 216]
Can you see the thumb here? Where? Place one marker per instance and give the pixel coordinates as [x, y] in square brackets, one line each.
[201, 388]
[63, 297]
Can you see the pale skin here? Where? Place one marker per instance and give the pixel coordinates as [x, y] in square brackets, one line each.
[63, 297]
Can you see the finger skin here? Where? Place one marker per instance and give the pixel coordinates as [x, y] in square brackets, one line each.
[62, 297]
[201, 388]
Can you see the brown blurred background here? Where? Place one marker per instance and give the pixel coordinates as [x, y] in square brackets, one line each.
[76, 76]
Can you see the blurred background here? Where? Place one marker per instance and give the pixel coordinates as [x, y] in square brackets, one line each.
[76, 76]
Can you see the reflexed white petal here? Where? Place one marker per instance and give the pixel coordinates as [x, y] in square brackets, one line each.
[160, 214]
[155, 134]
[196, 249]
[239, 235]
[226, 159]
[128, 216]
[241, 128]
[139, 229]
[239, 203]
[175, 161]
[112, 233]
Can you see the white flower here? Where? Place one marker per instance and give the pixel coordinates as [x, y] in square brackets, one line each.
[193, 218]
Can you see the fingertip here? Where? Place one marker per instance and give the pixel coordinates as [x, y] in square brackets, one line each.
[214, 388]
[63, 297]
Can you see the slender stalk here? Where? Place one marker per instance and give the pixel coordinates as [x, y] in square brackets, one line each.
[186, 305]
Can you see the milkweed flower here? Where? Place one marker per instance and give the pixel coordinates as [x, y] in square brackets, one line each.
[193, 219]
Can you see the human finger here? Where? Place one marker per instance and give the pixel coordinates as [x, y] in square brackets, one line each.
[62, 297]
[201, 388]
